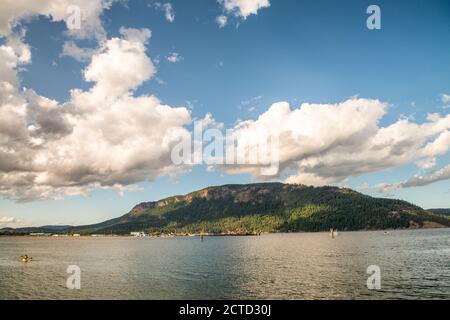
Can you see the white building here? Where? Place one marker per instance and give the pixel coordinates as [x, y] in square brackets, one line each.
[138, 234]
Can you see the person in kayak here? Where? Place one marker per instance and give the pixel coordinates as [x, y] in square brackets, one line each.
[26, 258]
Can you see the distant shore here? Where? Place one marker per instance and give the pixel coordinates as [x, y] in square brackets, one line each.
[168, 235]
[224, 235]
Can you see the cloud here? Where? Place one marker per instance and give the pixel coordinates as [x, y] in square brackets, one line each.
[222, 21]
[426, 163]
[244, 8]
[419, 181]
[445, 98]
[71, 49]
[209, 122]
[136, 35]
[250, 101]
[103, 137]
[174, 57]
[169, 12]
[13, 12]
[437, 147]
[311, 179]
[120, 65]
[6, 221]
[8, 64]
[327, 143]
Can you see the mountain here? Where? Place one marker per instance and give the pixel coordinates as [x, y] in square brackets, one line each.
[265, 207]
[442, 212]
[28, 230]
[57, 228]
[268, 207]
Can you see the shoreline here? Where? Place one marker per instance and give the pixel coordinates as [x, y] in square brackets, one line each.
[207, 235]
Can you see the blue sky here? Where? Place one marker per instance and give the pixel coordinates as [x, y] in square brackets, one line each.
[317, 52]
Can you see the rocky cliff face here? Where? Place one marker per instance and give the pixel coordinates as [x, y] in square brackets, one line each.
[142, 207]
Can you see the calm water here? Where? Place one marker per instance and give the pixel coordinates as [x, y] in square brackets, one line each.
[414, 265]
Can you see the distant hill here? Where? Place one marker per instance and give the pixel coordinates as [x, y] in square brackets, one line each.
[270, 207]
[444, 212]
[58, 228]
[28, 230]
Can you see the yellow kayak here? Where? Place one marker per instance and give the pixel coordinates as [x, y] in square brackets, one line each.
[26, 259]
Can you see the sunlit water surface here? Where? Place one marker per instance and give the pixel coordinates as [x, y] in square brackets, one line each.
[414, 265]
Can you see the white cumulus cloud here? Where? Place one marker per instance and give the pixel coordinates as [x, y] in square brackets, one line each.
[88, 12]
[13, 12]
[104, 137]
[328, 143]
[244, 8]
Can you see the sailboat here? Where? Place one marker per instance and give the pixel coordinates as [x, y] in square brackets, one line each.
[334, 233]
